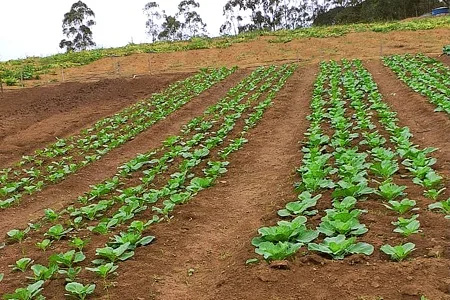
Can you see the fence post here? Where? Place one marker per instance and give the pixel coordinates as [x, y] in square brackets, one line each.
[1, 83]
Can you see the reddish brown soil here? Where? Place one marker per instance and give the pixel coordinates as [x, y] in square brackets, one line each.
[259, 52]
[445, 59]
[60, 195]
[32, 118]
[211, 235]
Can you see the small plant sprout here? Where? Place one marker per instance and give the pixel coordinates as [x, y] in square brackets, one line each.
[51, 215]
[78, 243]
[399, 252]
[406, 227]
[79, 291]
[57, 232]
[44, 244]
[442, 206]
[389, 190]
[17, 235]
[22, 264]
[104, 270]
[338, 247]
[402, 207]
[32, 291]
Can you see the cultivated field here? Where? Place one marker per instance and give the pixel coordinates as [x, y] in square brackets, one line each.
[286, 177]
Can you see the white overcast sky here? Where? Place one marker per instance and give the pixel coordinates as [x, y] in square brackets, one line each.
[33, 28]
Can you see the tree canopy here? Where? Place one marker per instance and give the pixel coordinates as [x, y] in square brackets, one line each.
[77, 25]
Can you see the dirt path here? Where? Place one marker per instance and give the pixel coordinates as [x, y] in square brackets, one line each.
[430, 129]
[32, 118]
[208, 234]
[60, 195]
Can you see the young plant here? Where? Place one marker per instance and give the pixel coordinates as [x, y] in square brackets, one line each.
[18, 235]
[277, 251]
[402, 207]
[70, 273]
[389, 190]
[41, 272]
[433, 194]
[442, 206]
[22, 264]
[406, 227]
[57, 232]
[104, 270]
[399, 252]
[67, 259]
[79, 291]
[338, 247]
[44, 244]
[301, 207]
[78, 243]
[121, 253]
[31, 292]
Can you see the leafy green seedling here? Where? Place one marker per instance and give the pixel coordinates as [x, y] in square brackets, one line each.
[389, 190]
[79, 291]
[135, 239]
[338, 247]
[346, 204]
[44, 244]
[403, 206]
[41, 272]
[301, 207]
[433, 194]
[57, 232]
[1, 276]
[18, 235]
[78, 243]
[104, 270]
[277, 251]
[442, 206]
[51, 215]
[399, 252]
[113, 255]
[32, 291]
[70, 273]
[22, 264]
[406, 227]
[67, 259]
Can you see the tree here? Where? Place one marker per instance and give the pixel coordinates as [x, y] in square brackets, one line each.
[171, 29]
[153, 15]
[193, 24]
[77, 25]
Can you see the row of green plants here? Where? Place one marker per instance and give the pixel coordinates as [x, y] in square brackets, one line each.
[66, 156]
[167, 177]
[351, 165]
[31, 68]
[425, 75]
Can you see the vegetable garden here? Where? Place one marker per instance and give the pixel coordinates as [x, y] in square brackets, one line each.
[213, 205]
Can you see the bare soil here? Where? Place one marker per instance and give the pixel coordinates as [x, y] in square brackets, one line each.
[261, 51]
[201, 252]
[32, 118]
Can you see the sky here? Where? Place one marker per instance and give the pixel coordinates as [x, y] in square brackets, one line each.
[34, 28]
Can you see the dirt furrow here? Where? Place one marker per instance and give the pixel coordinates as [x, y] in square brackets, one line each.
[205, 236]
[64, 193]
[32, 118]
[430, 129]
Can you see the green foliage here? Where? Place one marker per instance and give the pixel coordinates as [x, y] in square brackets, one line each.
[446, 50]
[401, 207]
[22, 264]
[79, 291]
[31, 292]
[338, 247]
[399, 252]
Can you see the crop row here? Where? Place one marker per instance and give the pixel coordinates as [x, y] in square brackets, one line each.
[424, 75]
[144, 192]
[350, 156]
[55, 162]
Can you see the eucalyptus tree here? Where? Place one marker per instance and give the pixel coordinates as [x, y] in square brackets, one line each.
[151, 10]
[77, 25]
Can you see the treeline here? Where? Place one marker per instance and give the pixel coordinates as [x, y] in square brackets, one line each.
[374, 10]
[248, 15]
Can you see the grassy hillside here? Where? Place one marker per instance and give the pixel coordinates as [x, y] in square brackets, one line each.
[11, 72]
